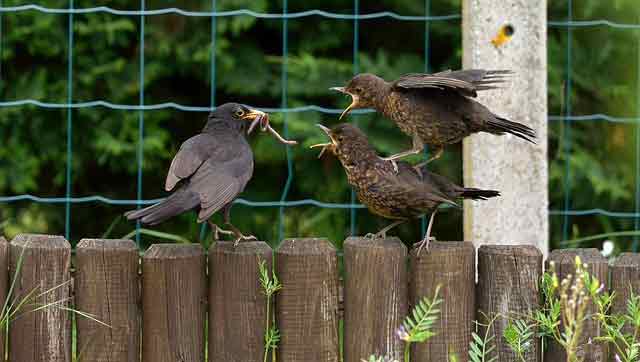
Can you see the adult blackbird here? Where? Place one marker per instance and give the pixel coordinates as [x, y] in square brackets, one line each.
[434, 109]
[406, 194]
[211, 169]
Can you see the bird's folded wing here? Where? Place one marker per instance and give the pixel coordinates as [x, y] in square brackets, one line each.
[191, 155]
[425, 186]
[466, 82]
[218, 183]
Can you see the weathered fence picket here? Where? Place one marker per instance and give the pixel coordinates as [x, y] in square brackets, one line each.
[4, 285]
[625, 277]
[42, 331]
[307, 305]
[375, 297]
[173, 303]
[508, 279]
[159, 315]
[237, 313]
[107, 288]
[452, 266]
[597, 266]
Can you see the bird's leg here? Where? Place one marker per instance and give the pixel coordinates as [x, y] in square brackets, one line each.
[437, 154]
[382, 234]
[217, 230]
[424, 243]
[418, 146]
[234, 230]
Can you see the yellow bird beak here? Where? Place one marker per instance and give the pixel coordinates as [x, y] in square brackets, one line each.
[326, 145]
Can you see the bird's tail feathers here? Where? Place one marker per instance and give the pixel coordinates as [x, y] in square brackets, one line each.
[175, 204]
[478, 194]
[501, 125]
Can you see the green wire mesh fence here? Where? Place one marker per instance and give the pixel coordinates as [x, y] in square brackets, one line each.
[356, 17]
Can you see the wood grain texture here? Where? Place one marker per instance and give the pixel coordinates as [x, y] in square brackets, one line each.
[625, 277]
[564, 260]
[375, 297]
[44, 278]
[4, 286]
[508, 284]
[107, 287]
[173, 303]
[452, 266]
[307, 305]
[237, 314]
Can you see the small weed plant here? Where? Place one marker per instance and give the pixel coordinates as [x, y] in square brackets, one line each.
[417, 327]
[270, 285]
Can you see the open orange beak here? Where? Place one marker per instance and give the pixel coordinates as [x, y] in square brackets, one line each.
[328, 145]
[354, 100]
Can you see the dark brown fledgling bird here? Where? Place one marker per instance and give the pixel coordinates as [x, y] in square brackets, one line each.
[211, 169]
[434, 109]
[403, 195]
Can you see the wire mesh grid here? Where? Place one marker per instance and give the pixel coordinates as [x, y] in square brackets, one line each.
[68, 199]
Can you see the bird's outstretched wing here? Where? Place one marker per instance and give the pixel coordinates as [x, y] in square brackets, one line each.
[466, 82]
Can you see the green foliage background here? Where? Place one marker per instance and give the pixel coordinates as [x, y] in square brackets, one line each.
[248, 63]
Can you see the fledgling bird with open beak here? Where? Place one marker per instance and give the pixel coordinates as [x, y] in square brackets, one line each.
[211, 169]
[434, 109]
[401, 195]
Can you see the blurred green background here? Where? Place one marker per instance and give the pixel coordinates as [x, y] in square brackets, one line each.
[249, 61]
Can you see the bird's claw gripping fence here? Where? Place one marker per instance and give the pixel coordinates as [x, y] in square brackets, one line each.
[566, 212]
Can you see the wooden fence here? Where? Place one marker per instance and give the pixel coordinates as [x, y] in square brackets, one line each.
[165, 307]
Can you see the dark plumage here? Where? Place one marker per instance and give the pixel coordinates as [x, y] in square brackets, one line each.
[210, 169]
[434, 109]
[406, 194]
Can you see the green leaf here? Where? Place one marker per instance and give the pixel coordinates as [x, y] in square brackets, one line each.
[419, 324]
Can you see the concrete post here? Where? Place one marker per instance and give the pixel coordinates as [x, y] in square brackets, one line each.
[506, 163]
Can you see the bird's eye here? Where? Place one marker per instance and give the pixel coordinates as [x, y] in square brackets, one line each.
[340, 138]
[358, 90]
[239, 113]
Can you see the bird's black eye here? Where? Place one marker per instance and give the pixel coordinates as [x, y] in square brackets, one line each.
[358, 90]
[340, 138]
[238, 113]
